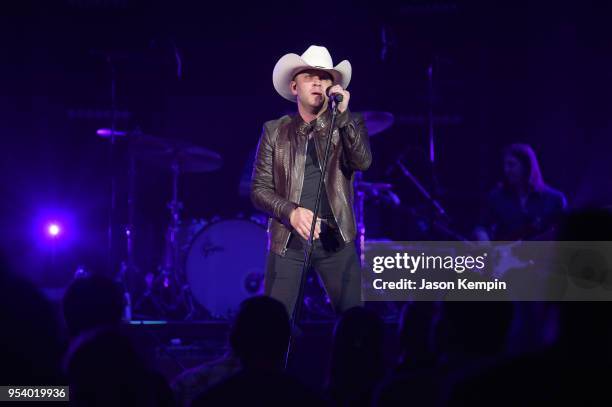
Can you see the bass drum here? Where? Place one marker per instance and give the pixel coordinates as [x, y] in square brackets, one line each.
[225, 264]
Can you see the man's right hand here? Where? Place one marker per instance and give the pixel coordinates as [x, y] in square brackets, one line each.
[301, 220]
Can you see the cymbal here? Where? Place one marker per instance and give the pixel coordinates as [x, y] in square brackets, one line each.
[377, 122]
[190, 159]
[167, 153]
[144, 144]
[185, 156]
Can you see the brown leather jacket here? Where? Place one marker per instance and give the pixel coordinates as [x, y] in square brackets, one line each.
[278, 173]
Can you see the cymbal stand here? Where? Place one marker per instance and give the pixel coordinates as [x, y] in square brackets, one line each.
[172, 273]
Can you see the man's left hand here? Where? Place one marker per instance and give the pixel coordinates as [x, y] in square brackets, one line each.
[342, 106]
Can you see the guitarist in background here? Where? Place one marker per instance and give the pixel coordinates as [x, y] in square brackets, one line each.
[522, 206]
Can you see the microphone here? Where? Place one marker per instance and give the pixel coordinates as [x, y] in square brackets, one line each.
[335, 97]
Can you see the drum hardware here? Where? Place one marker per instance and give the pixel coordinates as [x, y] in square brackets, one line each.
[366, 190]
[128, 266]
[182, 157]
[121, 276]
[439, 209]
[438, 221]
[168, 292]
[377, 122]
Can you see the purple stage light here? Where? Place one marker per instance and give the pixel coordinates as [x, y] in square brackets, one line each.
[54, 229]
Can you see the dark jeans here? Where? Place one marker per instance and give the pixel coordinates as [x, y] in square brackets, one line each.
[339, 270]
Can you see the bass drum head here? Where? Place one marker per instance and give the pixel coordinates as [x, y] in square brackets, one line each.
[225, 265]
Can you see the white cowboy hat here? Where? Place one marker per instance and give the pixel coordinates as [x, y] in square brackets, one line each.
[315, 57]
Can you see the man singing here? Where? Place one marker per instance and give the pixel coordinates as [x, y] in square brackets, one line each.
[287, 171]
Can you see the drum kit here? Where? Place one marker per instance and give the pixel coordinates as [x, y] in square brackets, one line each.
[209, 267]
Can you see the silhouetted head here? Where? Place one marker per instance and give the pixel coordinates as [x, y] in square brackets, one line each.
[260, 334]
[91, 302]
[357, 350]
[30, 344]
[416, 332]
[103, 368]
[521, 167]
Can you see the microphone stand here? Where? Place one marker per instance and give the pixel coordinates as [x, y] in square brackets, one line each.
[310, 245]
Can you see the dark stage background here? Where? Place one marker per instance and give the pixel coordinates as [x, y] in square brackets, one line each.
[503, 72]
